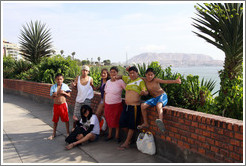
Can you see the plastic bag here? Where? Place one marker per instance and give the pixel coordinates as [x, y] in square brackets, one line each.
[146, 143]
[103, 124]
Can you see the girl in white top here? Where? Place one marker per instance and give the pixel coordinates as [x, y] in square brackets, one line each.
[90, 122]
[84, 84]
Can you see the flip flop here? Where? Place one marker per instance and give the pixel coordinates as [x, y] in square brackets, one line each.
[160, 125]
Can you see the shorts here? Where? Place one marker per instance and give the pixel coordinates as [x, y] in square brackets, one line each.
[159, 99]
[78, 106]
[97, 137]
[130, 116]
[60, 110]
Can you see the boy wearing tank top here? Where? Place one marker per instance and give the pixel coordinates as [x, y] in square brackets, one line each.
[84, 84]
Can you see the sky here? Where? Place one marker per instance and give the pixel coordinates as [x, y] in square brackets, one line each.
[111, 30]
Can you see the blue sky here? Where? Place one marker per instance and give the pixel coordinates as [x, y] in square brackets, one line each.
[111, 29]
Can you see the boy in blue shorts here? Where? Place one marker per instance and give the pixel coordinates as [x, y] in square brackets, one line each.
[159, 97]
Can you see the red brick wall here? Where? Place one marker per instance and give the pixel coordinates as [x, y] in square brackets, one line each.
[214, 137]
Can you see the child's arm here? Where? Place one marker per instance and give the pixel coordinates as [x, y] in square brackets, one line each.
[74, 82]
[177, 81]
[67, 94]
[91, 83]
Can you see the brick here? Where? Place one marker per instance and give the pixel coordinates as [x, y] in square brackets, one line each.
[195, 124]
[194, 118]
[168, 138]
[181, 120]
[210, 154]
[198, 131]
[228, 133]
[180, 143]
[210, 128]
[241, 129]
[185, 145]
[235, 156]
[235, 142]
[219, 131]
[214, 149]
[191, 141]
[205, 133]
[229, 126]
[203, 120]
[202, 126]
[187, 122]
[177, 136]
[238, 150]
[183, 138]
[210, 141]
[194, 136]
[225, 153]
[201, 150]
[238, 136]
[201, 138]
[208, 121]
[190, 117]
[205, 146]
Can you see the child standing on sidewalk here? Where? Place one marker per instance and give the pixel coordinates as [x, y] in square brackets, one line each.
[84, 84]
[159, 97]
[59, 92]
[104, 78]
[113, 103]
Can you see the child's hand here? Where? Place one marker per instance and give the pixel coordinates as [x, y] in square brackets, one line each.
[144, 93]
[54, 94]
[75, 118]
[178, 80]
[74, 83]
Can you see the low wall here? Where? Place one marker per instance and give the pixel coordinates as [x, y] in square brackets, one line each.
[190, 136]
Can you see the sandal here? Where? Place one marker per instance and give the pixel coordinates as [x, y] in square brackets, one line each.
[140, 127]
[123, 147]
[160, 124]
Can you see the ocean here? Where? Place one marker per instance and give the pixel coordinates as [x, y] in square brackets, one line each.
[203, 72]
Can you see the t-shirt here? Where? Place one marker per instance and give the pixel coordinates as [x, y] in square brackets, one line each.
[113, 90]
[64, 87]
[136, 85]
[93, 120]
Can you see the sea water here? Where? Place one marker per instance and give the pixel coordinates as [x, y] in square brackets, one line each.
[203, 72]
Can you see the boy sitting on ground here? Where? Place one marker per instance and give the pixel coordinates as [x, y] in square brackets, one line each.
[159, 97]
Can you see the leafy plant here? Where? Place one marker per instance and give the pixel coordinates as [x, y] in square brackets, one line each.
[35, 42]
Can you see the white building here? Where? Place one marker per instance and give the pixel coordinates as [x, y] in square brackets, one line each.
[11, 49]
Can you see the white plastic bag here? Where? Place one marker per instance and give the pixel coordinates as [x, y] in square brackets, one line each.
[146, 143]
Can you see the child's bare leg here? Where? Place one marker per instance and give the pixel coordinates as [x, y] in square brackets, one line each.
[159, 122]
[99, 111]
[89, 136]
[117, 132]
[144, 107]
[54, 132]
[159, 110]
[67, 127]
[74, 124]
[128, 139]
[109, 134]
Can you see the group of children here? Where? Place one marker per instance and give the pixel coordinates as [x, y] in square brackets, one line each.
[118, 115]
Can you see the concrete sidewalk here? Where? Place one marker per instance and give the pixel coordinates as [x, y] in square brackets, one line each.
[27, 125]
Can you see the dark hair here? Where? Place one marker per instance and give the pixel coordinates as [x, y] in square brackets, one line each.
[114, 68]
[108, 76]
[133, 68]
[83, 110]
[59, 75]
[150, 70]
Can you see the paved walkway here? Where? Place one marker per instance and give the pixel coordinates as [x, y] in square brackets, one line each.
[26, 126]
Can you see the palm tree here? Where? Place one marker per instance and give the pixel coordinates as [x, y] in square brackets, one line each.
[73, 53]
[222, 26]
[61, 52]
[35, 42]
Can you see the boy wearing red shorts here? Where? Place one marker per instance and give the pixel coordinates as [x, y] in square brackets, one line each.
[59, 92]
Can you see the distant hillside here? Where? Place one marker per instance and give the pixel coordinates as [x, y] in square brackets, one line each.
[176, 59]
